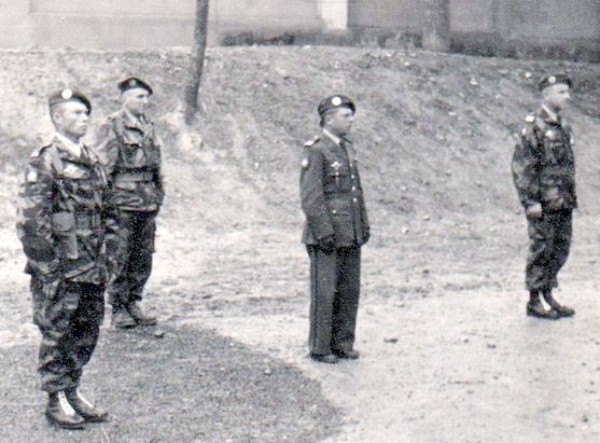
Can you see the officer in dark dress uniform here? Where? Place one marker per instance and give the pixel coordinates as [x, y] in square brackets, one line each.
[543, 169]
[336, 228]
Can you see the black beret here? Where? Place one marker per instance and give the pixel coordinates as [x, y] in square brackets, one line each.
[555, 79]
[133, 82]
[335, 102]
[69, 95]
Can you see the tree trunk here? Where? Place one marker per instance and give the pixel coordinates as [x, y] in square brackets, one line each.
[436, 25]
[197, 61]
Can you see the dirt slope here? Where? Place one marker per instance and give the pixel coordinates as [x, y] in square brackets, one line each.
[435, 139]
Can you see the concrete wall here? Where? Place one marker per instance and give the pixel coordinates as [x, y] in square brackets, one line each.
[483, 26]
[137, 24]
[514, 27]
[402, 15]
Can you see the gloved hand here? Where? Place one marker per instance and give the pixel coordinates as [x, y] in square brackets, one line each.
[327, 243]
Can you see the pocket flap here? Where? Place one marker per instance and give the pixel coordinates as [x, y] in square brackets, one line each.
[63, 222]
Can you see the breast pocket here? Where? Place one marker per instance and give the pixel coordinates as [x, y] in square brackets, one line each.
[63, 226]
[337, 181]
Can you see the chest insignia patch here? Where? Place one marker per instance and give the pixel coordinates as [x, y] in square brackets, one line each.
[336, 165]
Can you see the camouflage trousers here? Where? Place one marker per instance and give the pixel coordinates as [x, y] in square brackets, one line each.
[335, 289]
[550, 242]
[69, 315]
[132, 259]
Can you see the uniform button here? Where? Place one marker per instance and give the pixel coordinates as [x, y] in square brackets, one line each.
[333, 211]
[354, 188]
[351, 176]
[354, 200]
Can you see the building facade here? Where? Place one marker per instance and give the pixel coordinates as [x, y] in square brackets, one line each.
[485, 26]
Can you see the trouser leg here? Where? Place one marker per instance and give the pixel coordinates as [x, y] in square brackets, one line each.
[118, 289]
[55, 320]
[346, 299]
[562, 244]
[322, 291]
[85, 330]
[542, 237]
[140, 258]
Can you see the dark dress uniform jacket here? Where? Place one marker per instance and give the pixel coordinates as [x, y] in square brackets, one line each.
[331, 193]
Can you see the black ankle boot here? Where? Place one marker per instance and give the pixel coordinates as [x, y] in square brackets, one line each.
[85, 408]
[562, 310]
[60, 413]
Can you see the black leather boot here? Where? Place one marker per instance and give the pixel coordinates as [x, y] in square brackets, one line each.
[142, 319]
[121, 318]
[562, 310]
[84, 408]
[60, 413]
[535, 308]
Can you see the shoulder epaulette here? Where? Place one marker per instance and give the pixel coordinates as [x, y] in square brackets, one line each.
[37, 151]
[312, 142]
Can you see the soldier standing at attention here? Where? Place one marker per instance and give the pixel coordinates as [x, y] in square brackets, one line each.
[336, 228]
[544, 174]
[131, 152]
[60, 224]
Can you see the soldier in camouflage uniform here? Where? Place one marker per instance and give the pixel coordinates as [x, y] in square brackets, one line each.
[336, 228]
[131, 153]
[544, 174]
[60, 224]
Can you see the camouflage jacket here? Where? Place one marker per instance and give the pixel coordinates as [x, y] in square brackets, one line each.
[131, 153]
[543, 164]
[331, 193]
[61, 214]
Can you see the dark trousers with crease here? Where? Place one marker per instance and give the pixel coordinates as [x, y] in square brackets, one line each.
[335, 291]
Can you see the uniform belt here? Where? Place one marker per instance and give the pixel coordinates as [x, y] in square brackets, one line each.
[337, 194]
[134, 177]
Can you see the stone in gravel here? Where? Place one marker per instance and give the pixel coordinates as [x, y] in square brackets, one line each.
[159, 333]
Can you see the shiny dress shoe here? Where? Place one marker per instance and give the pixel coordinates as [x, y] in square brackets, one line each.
[142, 319]
[60, 413]
[537, 310]
[327, 358]
[84, 408]
[121, 319]
[348, 355]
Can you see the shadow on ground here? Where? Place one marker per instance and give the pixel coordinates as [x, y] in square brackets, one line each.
[189, 385]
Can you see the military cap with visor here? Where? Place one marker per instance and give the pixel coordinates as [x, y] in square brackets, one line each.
[133, 82]
[555, 79]
[335, 102]
[69, 95]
